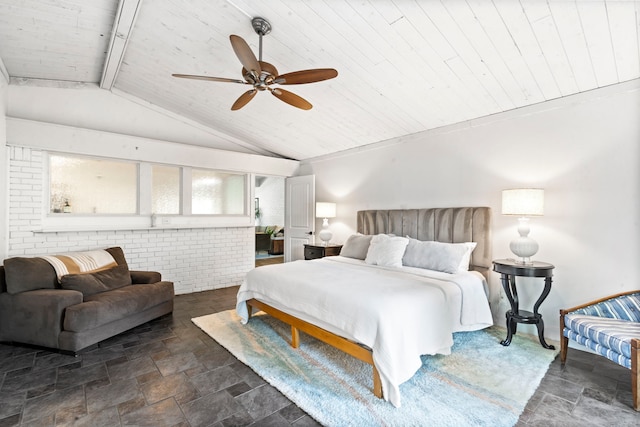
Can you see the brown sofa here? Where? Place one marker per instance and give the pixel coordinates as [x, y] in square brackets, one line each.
[87, 308]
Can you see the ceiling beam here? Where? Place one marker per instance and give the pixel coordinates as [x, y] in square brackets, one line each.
[122, 27]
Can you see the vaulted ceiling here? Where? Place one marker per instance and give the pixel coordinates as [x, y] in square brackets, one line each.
[405, 66]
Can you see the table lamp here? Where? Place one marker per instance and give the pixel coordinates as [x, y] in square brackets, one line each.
[524, 202]
[325, 211]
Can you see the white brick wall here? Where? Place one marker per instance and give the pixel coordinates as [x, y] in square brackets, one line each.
[194, 259]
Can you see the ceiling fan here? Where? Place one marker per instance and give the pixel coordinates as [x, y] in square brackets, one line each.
[262, 75]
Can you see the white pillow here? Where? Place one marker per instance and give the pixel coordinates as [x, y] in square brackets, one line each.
[438, 256]
[466, 259]
[386, 250]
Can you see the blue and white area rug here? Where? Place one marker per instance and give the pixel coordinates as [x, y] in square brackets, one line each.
[481, 383]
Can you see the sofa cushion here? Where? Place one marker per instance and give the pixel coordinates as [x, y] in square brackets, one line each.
[100, 309]
[99, 281]
[608, 337]
[612, 334]
[117, 254]
[28, 274]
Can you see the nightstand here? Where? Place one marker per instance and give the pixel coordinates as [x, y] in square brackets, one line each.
[320, 251]
[508, 270]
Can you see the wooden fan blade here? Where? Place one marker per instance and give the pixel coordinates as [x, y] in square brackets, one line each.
[245, 54]
[306, 76]
[211, 79]
[291, 98]
[244, 99]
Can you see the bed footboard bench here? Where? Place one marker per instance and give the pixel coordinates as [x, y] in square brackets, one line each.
[350, 347]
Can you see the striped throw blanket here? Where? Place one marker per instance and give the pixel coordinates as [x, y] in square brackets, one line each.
[80, 262]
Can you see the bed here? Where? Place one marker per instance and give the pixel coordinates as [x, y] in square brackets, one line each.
[384, 313]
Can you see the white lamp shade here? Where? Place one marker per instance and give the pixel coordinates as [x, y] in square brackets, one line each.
[325, 210]
[523, 201]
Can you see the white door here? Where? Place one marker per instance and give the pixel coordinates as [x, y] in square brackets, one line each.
[299, 223]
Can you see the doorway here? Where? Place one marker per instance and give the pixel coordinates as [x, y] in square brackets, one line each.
[269, 215]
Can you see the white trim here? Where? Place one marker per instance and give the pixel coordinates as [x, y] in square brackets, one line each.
[187, 191]
[145, 184]
[144, 218]
[57, 223]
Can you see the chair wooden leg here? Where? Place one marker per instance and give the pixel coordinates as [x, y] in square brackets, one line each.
[564, 341]
[635, 372]
[564, 347]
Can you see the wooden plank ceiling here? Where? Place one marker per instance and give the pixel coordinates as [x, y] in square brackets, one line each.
[405, 66]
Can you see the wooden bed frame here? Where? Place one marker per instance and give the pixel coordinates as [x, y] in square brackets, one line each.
[350, 347]
[450, 225]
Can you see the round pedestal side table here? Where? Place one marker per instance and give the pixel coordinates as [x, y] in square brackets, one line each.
[509, 269]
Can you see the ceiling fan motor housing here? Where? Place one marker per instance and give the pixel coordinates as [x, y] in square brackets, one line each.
[261, 26]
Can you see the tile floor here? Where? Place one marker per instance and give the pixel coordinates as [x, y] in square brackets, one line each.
[169, 373]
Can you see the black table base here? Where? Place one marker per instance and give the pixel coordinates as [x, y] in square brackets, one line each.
[508, 271]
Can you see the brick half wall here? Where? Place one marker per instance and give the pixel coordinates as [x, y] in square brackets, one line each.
[195, 259]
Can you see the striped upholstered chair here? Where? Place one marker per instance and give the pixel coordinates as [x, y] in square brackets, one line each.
[609, 326]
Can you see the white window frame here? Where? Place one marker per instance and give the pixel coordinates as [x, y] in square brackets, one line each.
[144, 219]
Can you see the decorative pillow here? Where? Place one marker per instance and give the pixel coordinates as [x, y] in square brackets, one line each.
[386, 251]
[28, 274]
[356, 246]
[100, 281]
[438, 256]
[466, 259]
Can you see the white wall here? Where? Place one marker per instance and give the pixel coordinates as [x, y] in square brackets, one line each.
[271, 194]
[584, 151]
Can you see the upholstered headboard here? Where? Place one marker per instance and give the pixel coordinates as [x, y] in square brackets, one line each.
[449, 225]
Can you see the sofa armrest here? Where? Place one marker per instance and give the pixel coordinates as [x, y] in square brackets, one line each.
[145, 277]
[35, 317]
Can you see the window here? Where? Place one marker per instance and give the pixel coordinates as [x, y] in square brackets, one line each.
[165, 190]
[216, 193]
[92, 186]
[111, 194]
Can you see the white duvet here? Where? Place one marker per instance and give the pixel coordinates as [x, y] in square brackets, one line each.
[400, 313]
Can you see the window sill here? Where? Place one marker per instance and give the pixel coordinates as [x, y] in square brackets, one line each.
[60, 223]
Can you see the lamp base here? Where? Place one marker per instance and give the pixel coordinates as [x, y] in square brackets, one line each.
[325, 235]
[524, 246]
